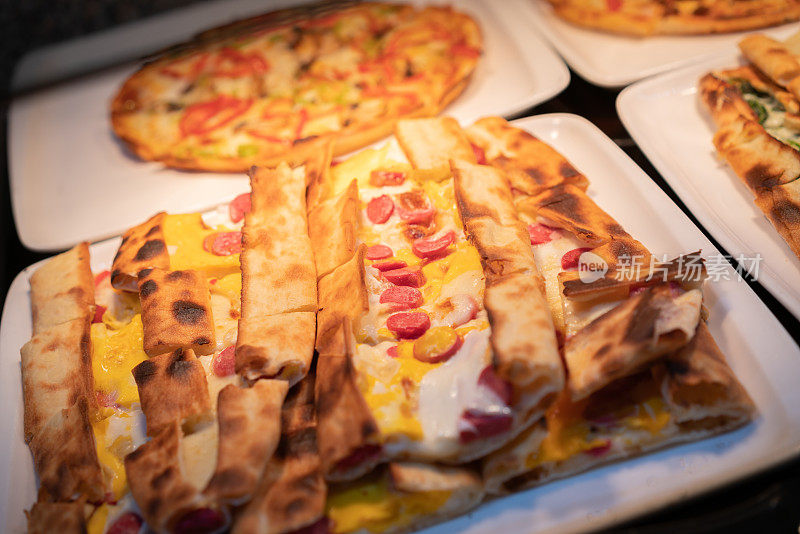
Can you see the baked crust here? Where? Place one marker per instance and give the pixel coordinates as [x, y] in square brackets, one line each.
[432, 143]
[63, 517]
[142, 246]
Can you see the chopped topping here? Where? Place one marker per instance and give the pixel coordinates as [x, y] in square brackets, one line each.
[406, 276]
[540, 233]
[464, 310]
[223, 243]
[378, 252]
[127, 523]
[100, 277]
[480, 155]
[380, 209]
[201, 521]
[477, 425]
[570, 259]
[205, 117]
[433, 248]
[402, 297]
[382, 178]
[224, 363]
[437, 345]
[408, 325]
[500, 387]
[389, 265]
[98, 314]
[392, 352]
[239, 206]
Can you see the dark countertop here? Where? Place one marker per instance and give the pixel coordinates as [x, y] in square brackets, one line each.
[768, 502]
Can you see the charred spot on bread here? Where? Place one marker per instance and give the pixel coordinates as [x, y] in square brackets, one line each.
[188, 312]
[147, 288]
[150, 250]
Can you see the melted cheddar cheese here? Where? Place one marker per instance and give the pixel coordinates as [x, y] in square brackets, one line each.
[374, 506]
[184, 235]
[114, 354]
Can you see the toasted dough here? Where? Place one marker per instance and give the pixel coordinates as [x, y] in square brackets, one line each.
[332, 226]
[771, 57]
[158, 483]
[172, 387]
[276, 346]
[249, 430]
[431, 143]
[61, 517]
[65, 456]
[176, 312]
[530, 164]
[56, 372]
[62, 289]
[630, 335]
[342, 294]
[278, 273]
[142, 246]
[292, 493]
[346, 430]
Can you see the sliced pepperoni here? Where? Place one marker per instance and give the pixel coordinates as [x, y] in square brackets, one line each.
[223, 243]
[127, 523]
[389, 265]
[571, 259]
[100, 277]
[489, 379]
[382, 178]
[402, 297]
[480, 155]
[476, 425]
[423, 217]
[359, 456]
[224, 363]
[392, 352]
[437, 345]
[379, 252]
[408, 325]
[200, 521]
[599, 450]
[379, 209]
[433, 247]
[406, 276]
[415, 208]
[98, 313]
[540, 234]
[239, 206]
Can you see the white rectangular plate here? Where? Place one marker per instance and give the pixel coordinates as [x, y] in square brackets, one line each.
[759, 350]
[613, 60]
[665, 117]
[72, 180]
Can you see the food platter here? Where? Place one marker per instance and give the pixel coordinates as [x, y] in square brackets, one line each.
[758, 349]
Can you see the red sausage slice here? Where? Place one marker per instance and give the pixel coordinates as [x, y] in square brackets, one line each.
[224, 363]
[389, 265]
[427, 247]
[571, 259]
[379, 209]
[223, 243]
[238, 207]
[402, 297]
[200, 521]
[98, 314]
[382, 178]
[478, 425]
[540, 234]
[406, 276]
[500, 387]
[378, 252]
[480, 155]
[408, 325]
[127, 523]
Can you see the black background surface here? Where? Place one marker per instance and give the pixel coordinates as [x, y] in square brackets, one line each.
[768, 502]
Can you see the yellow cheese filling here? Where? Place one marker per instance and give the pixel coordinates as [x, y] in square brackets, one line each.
[184, 235]
[114, 354]
[112, 449]
[373, 506]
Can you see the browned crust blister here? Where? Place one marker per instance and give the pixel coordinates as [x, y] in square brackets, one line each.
[769, 168]
[332, 228]
[62, 517]
[172, 387]
[432, 143]
[176, 312]
[142, 247]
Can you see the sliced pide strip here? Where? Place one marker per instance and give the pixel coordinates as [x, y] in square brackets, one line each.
[525, 350]
[332, 227]
[62, 289]
[142, 246]
[431, 143]
[772, 57]
[161, 487]
[249, 430]
[176, 312]
[349, 442]
[279, 283]
[62, 517]
[172, 386]
[65, 456]
[530, 164]
[291, 494]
